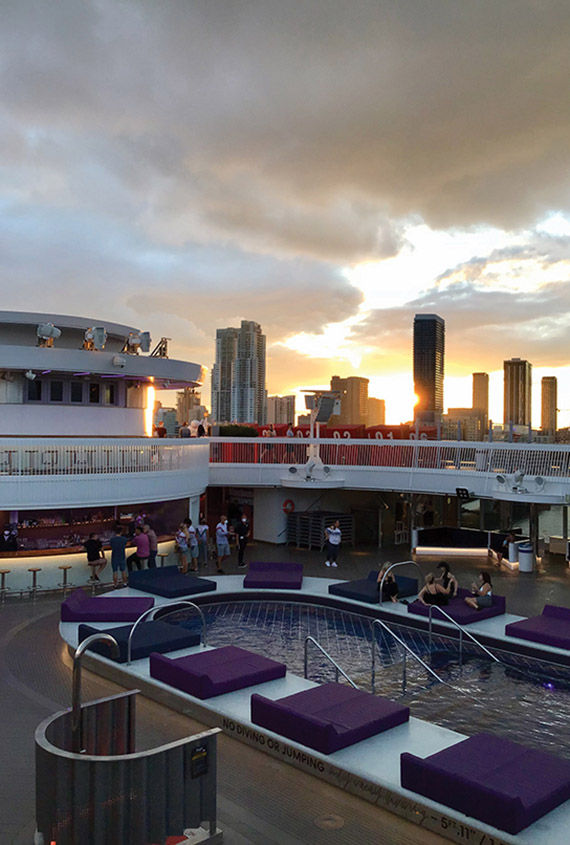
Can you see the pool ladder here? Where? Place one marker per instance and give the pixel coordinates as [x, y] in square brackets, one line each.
[338, 670]
[462, 631]
[377, 623]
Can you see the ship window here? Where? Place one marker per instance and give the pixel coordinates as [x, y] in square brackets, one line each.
[94, 393]
[56, 391]
[76, 392]
[35, 391]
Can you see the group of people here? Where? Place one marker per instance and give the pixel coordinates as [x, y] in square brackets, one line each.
[438, 589]
[194, 541]
[144, 556]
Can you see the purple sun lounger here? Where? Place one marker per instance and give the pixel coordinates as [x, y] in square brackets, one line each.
[494, 780]
[215, 672]
[551, 628]
[459, 611]
[79, 607]
[328, 717]
[279, 576]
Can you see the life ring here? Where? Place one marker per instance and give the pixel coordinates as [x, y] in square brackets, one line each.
[288, 506]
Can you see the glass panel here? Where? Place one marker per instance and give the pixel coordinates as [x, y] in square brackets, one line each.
[56, 391]
[34, 391]
[77, 391]
[94, 392]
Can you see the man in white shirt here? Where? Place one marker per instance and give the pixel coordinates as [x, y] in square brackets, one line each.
[222, 542]
[333, 536]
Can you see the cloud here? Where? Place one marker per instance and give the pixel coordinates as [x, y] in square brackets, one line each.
[515, 302]
[305, 129]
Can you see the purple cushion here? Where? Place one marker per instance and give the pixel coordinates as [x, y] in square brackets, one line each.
[327, 717]
[215, 672]
[79, 607]
[552, 627]
[169, 582]
[461, 612]
[497, 781]
[276, 575]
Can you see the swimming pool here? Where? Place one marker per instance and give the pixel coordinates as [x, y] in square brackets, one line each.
[521, 698]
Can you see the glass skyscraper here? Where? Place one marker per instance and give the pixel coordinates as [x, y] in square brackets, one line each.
[429, 355]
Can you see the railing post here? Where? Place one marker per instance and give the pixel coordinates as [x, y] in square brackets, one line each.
[429, 619]
[461, 647]
[404, 674]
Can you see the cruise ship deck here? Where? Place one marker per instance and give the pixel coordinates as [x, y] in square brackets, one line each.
[260, 798]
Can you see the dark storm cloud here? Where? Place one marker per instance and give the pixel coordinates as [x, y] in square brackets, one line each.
[334, 114]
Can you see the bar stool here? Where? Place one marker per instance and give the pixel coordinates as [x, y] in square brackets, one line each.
[3, 588]
[34, 585]
[65, 567]
[162, 555]
[93, 579]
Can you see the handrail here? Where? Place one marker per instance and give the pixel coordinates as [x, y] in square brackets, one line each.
[406, 647]
[327, 655]
[76, 721]
[392, 565]
[462, 631]
[152, 610]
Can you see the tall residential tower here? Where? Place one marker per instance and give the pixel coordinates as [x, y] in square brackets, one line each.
[549, 401]
[429, 354]
[238, 375]
[518, 381]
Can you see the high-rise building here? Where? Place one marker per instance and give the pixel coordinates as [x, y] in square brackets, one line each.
[238, 375]
[549, 387]
[280, 409]
[480, 400]
[518, 381]
[429, 355]
[226, 350]
[353, 393]
[376, 411]
[249, 397]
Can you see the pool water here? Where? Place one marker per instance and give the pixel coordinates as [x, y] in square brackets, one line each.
[521, 698]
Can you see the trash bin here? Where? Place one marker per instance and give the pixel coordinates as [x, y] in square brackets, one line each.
[526, 557]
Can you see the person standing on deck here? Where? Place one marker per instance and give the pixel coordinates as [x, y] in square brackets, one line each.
[242, 531]
[202, 532]
[333, 536]
[222, 542]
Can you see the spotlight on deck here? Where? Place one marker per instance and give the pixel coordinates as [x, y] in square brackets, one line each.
[47, 333]
[137, 342]
[95, 338]
[501, 480]
[518, 477]
[462, 493]
[30, 375]
[292, 470]
[539, 481]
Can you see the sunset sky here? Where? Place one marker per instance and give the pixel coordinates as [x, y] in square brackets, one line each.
[327, 169]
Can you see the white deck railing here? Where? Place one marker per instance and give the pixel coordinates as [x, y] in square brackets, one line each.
[539, 459]
[45, 456]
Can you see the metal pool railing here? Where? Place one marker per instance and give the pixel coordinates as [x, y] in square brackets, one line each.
[338, 669]
[173, 605]
[461, 632]
[407, 650]
[399, 563]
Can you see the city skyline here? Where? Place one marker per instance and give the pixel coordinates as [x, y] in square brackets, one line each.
[329, 173]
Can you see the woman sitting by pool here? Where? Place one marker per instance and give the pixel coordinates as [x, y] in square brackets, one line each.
[433, 593]
[447, 579]
[482, 592]
[389, 587]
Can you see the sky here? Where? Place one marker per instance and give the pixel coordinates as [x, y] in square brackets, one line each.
[327, 169]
